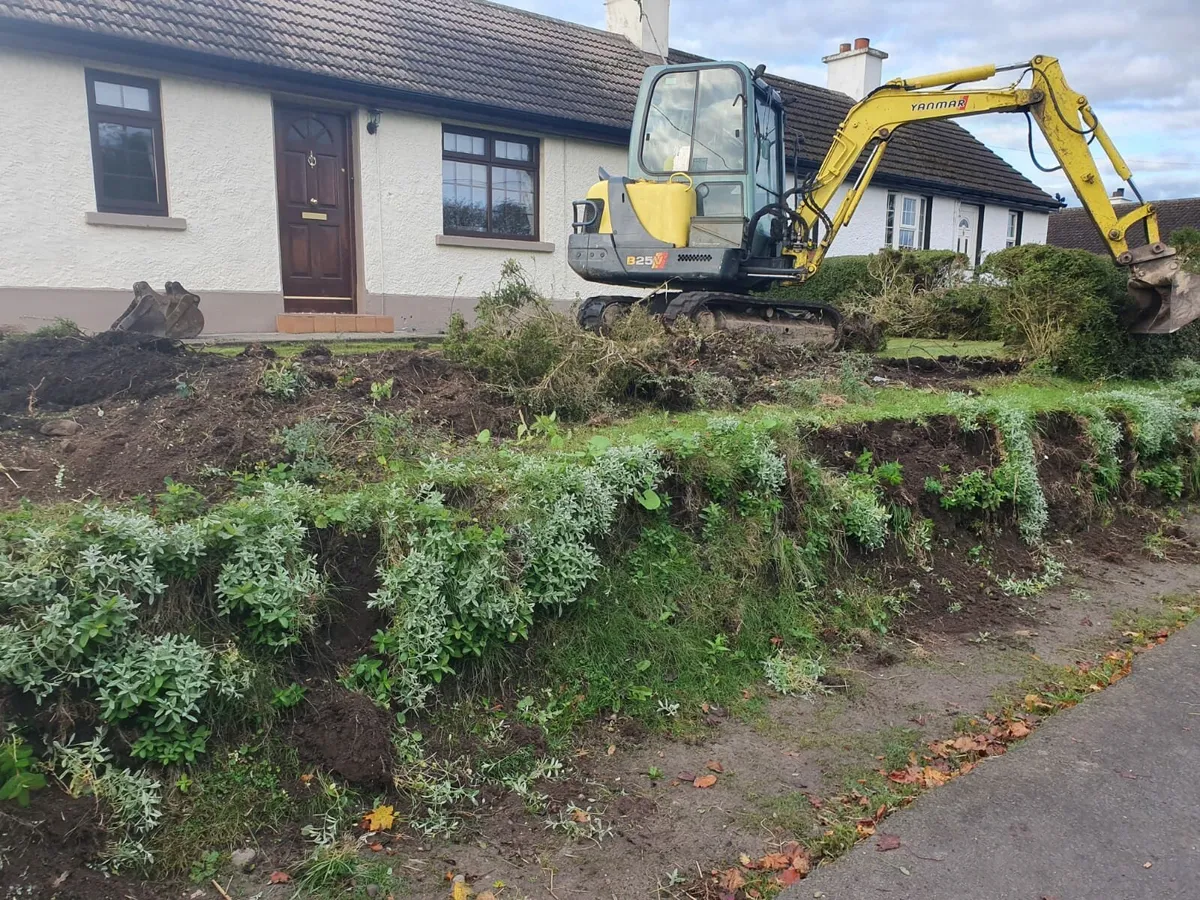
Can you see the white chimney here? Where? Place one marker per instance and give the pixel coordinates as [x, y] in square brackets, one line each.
[856, 70]
[646, 23]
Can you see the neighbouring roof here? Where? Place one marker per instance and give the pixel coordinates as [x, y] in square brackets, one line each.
[465, 57]
[1072, 227]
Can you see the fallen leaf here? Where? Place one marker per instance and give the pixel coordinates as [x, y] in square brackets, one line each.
[686, 776]
[280, 878]
[612, 748]
[306, 779]
[887, 842]
[380, 818]
[1019, 729]
[460, 891]
[773, 862]
[934, 777]
[746, 861]
[376, 847]
[486, 895]
[731, 879]
[713, 766]
[789, 876]
[705, 781]
[580, 816]
[865, 828]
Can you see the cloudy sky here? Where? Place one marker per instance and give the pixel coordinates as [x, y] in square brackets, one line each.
[1138, 62]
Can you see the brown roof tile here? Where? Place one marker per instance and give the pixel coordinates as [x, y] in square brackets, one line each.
[1073, 228]
[493, 56]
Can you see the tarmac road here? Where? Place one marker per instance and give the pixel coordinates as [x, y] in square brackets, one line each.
[1100, 803]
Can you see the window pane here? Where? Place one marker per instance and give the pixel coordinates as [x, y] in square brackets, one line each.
[127, 162]
[908, 214]
[125, 96]
[513, 150]
[464, 143]
[890, 220]
[464, 196]
[667, 143]
[720, 143]
[908, 238]
[1012, 225]
[512, 201]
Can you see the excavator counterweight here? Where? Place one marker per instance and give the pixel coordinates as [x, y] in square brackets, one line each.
[705, 219]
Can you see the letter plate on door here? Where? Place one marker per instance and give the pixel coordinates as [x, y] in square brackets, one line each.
[320, 217]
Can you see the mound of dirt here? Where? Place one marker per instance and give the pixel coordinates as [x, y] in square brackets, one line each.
[343, 732]
[60, 373]
[48, 847]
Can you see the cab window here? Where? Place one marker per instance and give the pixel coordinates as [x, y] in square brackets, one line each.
[767, 158]
[696, 123]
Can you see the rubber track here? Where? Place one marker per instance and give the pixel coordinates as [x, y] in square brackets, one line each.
[691, 302]
[591, 313]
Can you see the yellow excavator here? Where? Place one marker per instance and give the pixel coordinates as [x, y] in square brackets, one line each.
[705, 219]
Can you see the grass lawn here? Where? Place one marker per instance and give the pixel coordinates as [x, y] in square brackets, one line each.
[288, 349]
[905, 348]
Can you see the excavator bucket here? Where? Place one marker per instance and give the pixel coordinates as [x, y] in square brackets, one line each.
[174, 314]
[1165, 296]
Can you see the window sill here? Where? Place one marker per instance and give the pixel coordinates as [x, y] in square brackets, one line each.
[488, 243]
[128, 220]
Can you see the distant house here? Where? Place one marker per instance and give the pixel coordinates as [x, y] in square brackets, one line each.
[376, 157]
[1072, 228]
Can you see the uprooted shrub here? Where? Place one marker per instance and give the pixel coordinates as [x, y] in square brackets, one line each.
[1066, 307]
[543, 359]
[524, 348]
[909, 292]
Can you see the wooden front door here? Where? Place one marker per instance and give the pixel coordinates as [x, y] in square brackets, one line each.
[316, 215]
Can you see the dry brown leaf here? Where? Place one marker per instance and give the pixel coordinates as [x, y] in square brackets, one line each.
[865, 828]
[486, 895]
[773, 862]
[934, 777]
[790, 876]
[887, 842]
[731, 879]
[704, 781]
[714, 766]
[612, 748]
[1019, 729]
[380, 818]
[581, 816]
[280, 878]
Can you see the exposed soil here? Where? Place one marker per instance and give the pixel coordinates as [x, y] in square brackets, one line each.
[48, 850]
[343, 732]
[155, 410]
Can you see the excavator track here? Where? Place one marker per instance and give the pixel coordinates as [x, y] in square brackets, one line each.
[807, 324]
[596, 314]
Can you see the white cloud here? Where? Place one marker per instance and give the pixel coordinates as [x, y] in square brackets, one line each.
[1135, 62]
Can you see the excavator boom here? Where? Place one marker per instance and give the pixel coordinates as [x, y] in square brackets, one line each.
[1165, 297]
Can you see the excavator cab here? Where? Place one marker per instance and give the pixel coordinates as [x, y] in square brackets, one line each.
[707, 152]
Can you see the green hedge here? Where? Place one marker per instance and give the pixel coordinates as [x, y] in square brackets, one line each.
[1084, 295]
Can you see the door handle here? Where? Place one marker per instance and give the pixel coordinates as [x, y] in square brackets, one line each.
[312, 201]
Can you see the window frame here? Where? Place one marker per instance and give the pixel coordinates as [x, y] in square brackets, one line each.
[489, 160]
[116, 115]
[893, 210]
[645, 124]
[1012, 236]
